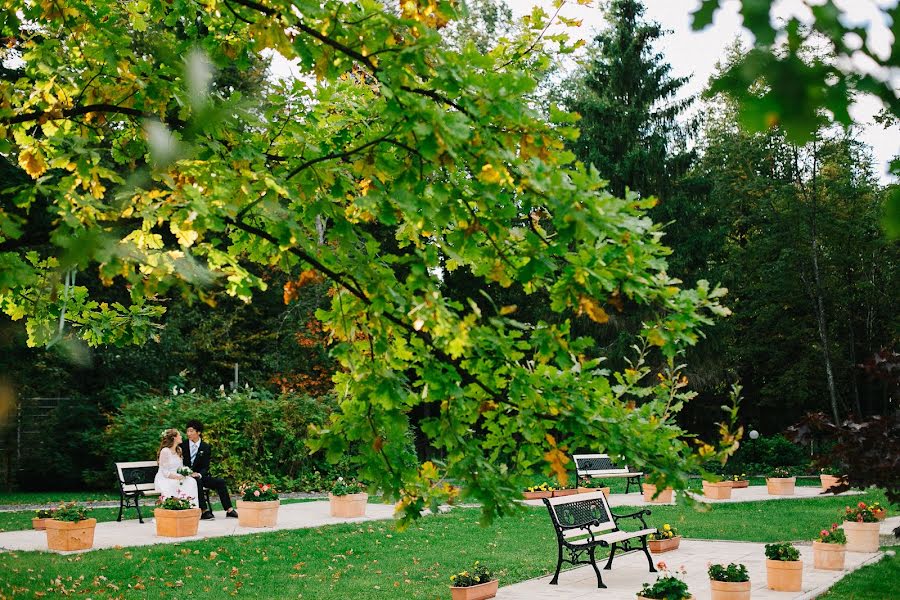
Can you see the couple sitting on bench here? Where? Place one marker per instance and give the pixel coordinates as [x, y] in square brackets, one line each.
[175, 454]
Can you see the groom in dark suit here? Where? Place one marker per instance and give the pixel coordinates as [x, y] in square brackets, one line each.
[196, 454]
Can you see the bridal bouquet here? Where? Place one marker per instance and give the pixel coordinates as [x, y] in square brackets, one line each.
[184, 471]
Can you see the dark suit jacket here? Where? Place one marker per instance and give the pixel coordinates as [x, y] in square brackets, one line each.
[201, 461]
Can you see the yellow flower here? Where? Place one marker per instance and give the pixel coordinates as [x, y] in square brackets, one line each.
[667, 527]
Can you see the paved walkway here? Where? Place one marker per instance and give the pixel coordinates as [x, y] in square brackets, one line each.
[629, 572]
[132, 533]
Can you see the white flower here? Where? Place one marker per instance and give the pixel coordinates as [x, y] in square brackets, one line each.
[181, 390]
[193, 390]
[174, 390]
[340, 478]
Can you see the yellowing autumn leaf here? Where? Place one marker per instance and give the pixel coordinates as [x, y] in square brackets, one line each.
[593, 310]
[558, 459]
[33, 162]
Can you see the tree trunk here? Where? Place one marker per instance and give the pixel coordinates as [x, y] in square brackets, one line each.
[823, 330]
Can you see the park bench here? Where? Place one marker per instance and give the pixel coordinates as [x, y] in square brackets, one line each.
[601, 466]
[135, 482]
[584, 522]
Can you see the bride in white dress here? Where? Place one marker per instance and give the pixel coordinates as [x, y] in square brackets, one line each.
[168, 481]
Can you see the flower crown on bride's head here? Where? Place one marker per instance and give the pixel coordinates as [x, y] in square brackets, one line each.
[162, 433]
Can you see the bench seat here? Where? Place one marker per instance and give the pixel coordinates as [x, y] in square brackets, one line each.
[135, 482]
[601, 466]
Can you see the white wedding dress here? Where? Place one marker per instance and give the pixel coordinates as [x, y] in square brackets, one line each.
[168, 482]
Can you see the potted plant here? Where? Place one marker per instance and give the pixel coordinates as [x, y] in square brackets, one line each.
[861, 527]
[729, 583]
[666, 538]
[70, 528]
[176, 516]
[564, 492]
[878, 510]
[830, 477]
[739, 481]
[668, 586]
[41, 515]
[536, 492]
[589, 484]
[784, 571]
[478, 584]
[649, 490]
[717, 490]
[258, 506]
[779, 482]
[829, 549]
[348, 499]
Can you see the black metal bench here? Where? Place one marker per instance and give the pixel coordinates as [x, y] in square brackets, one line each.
[135, 482]
[584, 522]
[602, 466]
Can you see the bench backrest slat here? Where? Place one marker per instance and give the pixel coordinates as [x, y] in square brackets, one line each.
[137, 476]
[581, 512]
[596, 464]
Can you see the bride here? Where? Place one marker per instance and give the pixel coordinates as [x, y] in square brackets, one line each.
[168, 481]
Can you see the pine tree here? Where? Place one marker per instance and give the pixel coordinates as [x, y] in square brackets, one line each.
[630, 111]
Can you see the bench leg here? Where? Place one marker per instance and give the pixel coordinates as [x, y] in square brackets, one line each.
[632, 480]
[559, 553]
[647, 553]
[137, 505]
[600, 583]
[612, 553]
[121, 507]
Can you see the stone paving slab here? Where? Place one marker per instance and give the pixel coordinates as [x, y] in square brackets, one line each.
[753, 493]
[132, 533]
[630, 572]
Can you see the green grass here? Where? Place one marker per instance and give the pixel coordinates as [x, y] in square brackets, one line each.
[373, 560]
[874, 582]
[19, 520]
[51, 498]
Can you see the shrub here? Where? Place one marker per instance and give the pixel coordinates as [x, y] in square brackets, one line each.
[72, 512]
[784, 552]
[835, 535]
[262, 492]
[756, 457]
[732, 573]
[479, 574]
[255, 435]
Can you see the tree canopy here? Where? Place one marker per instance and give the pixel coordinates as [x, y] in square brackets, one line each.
[391, 161]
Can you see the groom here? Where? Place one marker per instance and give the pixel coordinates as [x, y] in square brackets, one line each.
[196, 454]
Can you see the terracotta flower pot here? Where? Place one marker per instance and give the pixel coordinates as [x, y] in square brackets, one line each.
[537, 495]
[740, 483]
[475, 592]
[585, 490]
[861, 537]
[568, 492]
[258, 514]
[829, 556]
[660, 546]
[729, 590]
[717, 491]
[784, 575]
[780, 486]
[176, 523]
[649, 490]
[69, 535]
[351, 505]
[39, 524]
[829, 481]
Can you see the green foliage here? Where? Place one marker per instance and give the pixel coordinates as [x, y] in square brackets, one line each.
[478, 575]
[255, 435]
[43, 513]
[71, 511]
[835, 535]
[733, 572]
[861, 513]
[179, 502]
[406, 159]
[261, 492]
[664, 533]
[668, 586]
[784, 551]
[343, 487]
[760, 456]
[780, 472]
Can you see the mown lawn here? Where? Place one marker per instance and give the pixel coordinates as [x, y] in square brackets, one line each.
[874, 582]
[374, 560]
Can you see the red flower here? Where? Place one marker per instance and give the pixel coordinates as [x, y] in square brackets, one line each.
[861, 505]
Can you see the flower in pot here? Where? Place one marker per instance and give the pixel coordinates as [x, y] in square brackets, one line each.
[536, 492]
[477, 584]
[780, 482]
[878, 510]
[589, 484]
[70, 528]
[829, 549]
[729, 583]
[668, 586]
[258, 506]
[739, 481]
[784, 570]
[830, 477]
[717, 490]
[348, 498]
[176, 516]
[861, 527]
[40, 518]
[666, 538]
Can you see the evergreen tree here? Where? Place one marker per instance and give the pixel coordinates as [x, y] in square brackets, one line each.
[628, 101]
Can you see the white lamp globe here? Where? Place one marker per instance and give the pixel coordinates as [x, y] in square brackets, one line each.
[754, 434]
